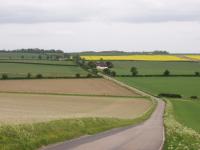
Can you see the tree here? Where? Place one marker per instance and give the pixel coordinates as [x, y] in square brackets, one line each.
[77, 75]
[134, 71]
[39, 76]
[39, 57]
[106, 71]
[109, 64]
[166, 73]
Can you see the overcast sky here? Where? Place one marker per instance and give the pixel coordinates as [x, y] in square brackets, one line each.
[83, 25]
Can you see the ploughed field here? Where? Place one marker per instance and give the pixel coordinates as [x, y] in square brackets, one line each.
[66, 86]
[21, 108]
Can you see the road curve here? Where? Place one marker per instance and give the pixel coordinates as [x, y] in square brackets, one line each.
[146, 136]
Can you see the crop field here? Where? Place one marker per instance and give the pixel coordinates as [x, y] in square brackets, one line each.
[156, 68]
[195, 57]
[186, 86]
[66, 86]
[51, 62]
[22, 108]
[137, 57]
[187, 112]
[21, 70]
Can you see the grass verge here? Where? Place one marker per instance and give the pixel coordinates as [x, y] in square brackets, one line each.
[33, 136]
[178, 136]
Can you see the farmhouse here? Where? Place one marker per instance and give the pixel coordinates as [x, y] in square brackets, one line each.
[101, 65]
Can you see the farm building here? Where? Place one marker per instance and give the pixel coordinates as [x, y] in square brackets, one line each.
[101, 65]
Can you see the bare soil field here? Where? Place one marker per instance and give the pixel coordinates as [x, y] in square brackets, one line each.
[66, 86]
[23, 108]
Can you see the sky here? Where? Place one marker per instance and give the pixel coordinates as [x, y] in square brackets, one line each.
[85, 25]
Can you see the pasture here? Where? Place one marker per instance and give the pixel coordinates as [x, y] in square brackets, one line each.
[21, 70]
[186, 86]
[187, 112]
[28, 108]
[96, 86]
[156, 68]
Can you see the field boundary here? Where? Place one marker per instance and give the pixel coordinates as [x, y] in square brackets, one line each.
[141, 93]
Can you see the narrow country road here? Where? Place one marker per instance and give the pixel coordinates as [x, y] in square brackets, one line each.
[146, 136]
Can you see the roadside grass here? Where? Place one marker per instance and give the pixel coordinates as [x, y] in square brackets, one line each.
[185, 86]
[156, 68]
[178, 136]
[33, 136]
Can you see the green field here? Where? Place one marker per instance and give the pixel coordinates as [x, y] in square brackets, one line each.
[21, 70]
[156, 68]
[186, 86]
[38, 62]
[187, 112]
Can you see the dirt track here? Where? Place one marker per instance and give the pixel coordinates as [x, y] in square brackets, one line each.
[146, 136]
[66, 86]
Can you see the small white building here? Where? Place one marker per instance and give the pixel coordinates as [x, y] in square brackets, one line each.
[101, 66]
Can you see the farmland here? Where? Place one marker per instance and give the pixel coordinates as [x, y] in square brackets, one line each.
[186, 86]
[156, 68]
[187, 112]
[137, 57]
[23, 108]
[21, 70]
[66, 86]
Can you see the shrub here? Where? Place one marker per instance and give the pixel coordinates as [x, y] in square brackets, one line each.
[197, 73]
[113, 73]
[169, 95]
[39, 76]
[166, 73]
[194, 97]
[29, 75]
[107, 71]
[78, 75]
[89, 75]
[4, 76]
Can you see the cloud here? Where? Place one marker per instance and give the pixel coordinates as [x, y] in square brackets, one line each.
[131, 11]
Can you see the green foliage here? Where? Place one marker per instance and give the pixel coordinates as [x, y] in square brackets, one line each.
[29, 75]
[134, 71]
[39, 76]
[4, 76]
[77, 75]
[166, 73]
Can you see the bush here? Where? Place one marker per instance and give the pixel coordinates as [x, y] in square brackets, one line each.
[107, 71]
[166, 73]
[78, 75]
[39, 76]
[197, 73]
[113, 73]
[29, 75]
[194, 97]
[4, 76]
[170, 95]
[89, 75]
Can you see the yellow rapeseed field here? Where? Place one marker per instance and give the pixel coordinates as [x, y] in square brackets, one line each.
[137, 57]
[197, 57]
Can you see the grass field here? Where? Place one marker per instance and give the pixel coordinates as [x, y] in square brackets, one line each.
[156, 68]
[187, 112]
[53, 62]
[66, 86]
[186, 86]
[21, 70]
[23, 108]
